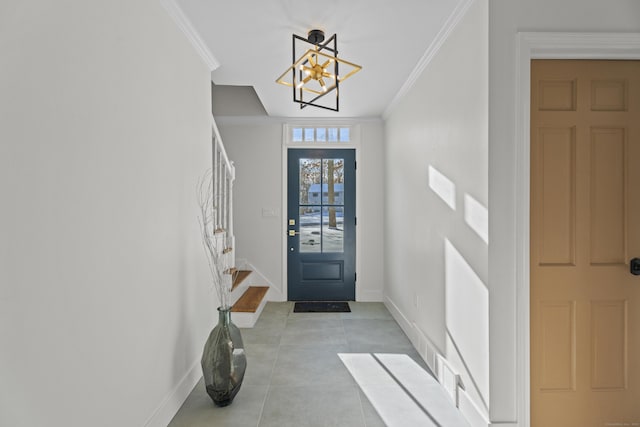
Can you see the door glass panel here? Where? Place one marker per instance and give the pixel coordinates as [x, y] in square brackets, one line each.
[332, 229]
[321, 205]
[310, 238]
[333, 180]
[310, 188]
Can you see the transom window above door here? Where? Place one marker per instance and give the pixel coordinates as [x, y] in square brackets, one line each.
[302, 134]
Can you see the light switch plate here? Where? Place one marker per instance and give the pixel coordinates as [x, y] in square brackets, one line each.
[269, 213]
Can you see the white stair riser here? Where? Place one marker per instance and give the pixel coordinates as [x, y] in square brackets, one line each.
[248, 320]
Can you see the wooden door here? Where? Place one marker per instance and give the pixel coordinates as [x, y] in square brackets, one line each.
[585, 228]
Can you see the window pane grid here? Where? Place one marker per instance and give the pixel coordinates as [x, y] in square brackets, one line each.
[321, 134]
[321, 205]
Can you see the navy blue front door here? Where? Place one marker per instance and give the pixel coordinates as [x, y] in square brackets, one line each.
[321, 231]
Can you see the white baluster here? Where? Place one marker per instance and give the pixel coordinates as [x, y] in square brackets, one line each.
[223, 177]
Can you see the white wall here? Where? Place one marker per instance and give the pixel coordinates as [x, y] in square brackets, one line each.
[507, 18]
[436, 190]
[104, 294]
[255, 146]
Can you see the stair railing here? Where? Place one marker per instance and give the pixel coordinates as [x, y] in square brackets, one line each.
[224, 174]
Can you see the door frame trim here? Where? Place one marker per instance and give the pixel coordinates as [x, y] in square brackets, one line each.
[533, 45]
[354, 144]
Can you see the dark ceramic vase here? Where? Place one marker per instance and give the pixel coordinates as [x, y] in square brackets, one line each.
[223, 360]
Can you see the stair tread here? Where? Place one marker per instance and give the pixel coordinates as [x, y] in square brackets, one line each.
[250, 300]
[239, 276]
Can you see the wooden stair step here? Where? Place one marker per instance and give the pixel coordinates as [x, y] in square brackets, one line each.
[238, 277]
[250, 300]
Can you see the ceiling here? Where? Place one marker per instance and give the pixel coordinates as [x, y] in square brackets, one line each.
[252, 41]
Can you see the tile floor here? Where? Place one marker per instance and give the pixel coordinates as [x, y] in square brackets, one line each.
[297, 375]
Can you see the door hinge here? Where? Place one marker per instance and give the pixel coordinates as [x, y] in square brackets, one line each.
[355, 277]
[355, 220]
[355, 165]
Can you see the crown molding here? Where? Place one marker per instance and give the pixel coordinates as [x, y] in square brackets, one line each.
[181, 20]
[432, 50]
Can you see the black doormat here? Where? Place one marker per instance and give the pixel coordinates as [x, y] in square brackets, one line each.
[321, 307]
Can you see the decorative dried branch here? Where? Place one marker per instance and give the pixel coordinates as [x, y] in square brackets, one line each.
[213, 242]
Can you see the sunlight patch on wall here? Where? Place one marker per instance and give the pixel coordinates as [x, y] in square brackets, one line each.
[467, 318]
[477, 217]
[443, 187]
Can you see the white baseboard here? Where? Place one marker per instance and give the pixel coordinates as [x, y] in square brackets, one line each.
[474, 416]
[405, 324]
[445, 373]
[369, 296]
[165, 412]
[421, 343]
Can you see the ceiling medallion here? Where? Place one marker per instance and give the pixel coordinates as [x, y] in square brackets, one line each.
[318, 72]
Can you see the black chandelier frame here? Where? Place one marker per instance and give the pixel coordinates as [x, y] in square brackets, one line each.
[319, 44]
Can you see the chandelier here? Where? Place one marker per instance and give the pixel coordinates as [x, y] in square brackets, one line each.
[318, 72]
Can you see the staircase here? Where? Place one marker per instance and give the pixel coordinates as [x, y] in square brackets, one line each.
[247, 301]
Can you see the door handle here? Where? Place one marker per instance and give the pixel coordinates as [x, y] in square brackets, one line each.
[293, 232]
[634, 266]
